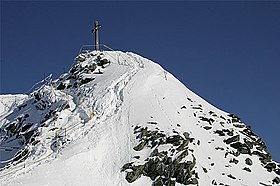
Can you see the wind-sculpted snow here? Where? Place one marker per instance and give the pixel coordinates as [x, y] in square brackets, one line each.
[119, 119]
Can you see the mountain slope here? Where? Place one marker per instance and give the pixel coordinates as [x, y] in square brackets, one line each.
[118, 119]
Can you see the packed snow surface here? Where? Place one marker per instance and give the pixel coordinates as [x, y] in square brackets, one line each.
[85, 132]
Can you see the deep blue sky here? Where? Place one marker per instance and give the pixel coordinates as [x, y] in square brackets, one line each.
[226, 52]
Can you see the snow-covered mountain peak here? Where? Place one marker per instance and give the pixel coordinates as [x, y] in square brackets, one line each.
[119, 119]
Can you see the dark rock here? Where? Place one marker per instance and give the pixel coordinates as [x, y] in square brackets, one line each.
[214, 182]
[239, 125]
[183, 107]
[61, 86]
[162, 154]
[140, 146]
[86, 80]
[248, 161]
[245, 151]
[21, 154]
[28, 135]
[158, 182]
[132, 176]
[270, 166]
[242, 148]
[21, 106]
[175, 140]
[276, 180]
[152, 122]
[127, 166]
[277, 171]
[183, 145]
[167, 160]
[209, 120]
[150, 168]
[236, 154]
[249, 143]
[233, 161]
[26, 127]
[11, 128]
[204, 169]
[160, 168]
[232, 139]
[170, 182]
[92, 67]
[154, 153]
[230, 133]
[207, 127]
[193, 181]
[231, 176]
[186, 134]
[234, 118]
[220, 132]
[137, 157]
[223, 117]
[211, 112]
[247, 169]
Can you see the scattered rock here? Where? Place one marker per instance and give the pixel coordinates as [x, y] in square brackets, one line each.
[248, 161]
[209, 120]
[231, 176]
[232, 139]
[247, 169]
[214, 182]
[276, 180]
[207, 127]
[270, 166]
[204, 169]
[233, 160]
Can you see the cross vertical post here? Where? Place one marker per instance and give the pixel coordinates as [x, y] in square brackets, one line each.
[95, 31]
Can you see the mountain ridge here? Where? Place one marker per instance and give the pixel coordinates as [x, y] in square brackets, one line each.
[117, 119]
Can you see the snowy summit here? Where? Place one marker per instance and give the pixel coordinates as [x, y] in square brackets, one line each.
[119, 119]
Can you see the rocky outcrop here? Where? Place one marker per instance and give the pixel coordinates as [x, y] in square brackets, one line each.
[164, 167]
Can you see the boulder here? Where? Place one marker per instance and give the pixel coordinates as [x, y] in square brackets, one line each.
[131, 176]
[248, 161]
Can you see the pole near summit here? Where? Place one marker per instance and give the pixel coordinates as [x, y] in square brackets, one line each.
[95, 29]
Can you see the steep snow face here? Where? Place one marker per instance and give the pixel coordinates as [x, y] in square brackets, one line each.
[119, 119]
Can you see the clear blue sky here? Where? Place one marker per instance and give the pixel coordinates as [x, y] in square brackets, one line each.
[226, 52]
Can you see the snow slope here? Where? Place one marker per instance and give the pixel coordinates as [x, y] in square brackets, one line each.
[86, 126]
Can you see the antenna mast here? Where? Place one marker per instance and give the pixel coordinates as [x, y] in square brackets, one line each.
[95, 29]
